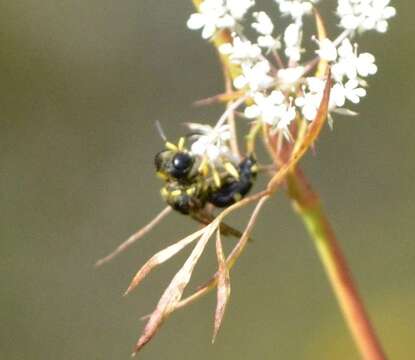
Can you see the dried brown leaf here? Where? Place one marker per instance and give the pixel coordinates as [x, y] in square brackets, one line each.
[204, 217]
[225, 97]
[135, 237]
[174, 291]
[231, 259]
[223, 287]
[161, 257]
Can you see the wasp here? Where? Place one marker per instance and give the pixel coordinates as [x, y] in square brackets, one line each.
[190, 186]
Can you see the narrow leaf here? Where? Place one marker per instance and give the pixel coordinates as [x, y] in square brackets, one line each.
[321, 34]
[225, 97]
[231, 259]
[161, 257]
[135, 237]
[174, 291]
[204, 217]
[223, 287]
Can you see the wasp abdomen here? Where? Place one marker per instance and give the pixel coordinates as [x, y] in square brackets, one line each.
[232, 190]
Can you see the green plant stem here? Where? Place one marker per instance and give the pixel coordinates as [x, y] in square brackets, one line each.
[307, 205]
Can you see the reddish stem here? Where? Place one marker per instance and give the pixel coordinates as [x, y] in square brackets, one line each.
[307, 204]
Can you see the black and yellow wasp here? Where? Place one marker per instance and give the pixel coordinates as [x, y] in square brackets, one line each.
[190, 183]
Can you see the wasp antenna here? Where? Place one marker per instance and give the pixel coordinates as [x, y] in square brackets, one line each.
[181, 143]
[160, 130]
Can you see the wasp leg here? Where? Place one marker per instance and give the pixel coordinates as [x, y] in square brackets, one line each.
[206, 218]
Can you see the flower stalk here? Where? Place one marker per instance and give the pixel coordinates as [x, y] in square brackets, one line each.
[307, 205]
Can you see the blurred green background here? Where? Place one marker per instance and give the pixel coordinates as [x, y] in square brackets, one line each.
[81, 85]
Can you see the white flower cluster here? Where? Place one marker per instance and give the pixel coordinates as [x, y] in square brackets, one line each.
[210, 142]
[281, 86]
[365, 14]
[348, 71]
[218, 14]
[296, 8]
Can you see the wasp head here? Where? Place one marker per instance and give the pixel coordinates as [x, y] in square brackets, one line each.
[176, 163]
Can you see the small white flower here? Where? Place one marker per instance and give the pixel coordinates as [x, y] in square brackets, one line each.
[255, 77]
[238, 8]
[265, 106]
[241, 50]
[346, 49]
[210, 142]
[268, 42]
[218, 14]
[198, 21]
[292, 40]
[263, 24]
[328, 50]
[287, 114]
[365, 65]
[293, 53]
[211, 16]
[296, 8]
[292, 35]
[272, 109]
[316, 84]
[337, 96]
[310, 101]
[289, 77]
[265, 27]
[350, 91]
[353, 92]
[309, 104]
[352, 65]
[365, 14]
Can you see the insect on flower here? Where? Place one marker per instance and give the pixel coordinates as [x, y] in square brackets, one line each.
[191, 182]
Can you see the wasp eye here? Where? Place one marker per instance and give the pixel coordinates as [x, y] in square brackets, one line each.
[182, 162]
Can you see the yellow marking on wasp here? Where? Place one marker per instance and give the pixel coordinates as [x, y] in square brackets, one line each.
[181, 142]
[254, 168]
[231, 169]
[190, 191]
[216, 177]
[237, 197]
[176, 193]
[204, 168]
[162, 175]
[171, 146]
[164, 192]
